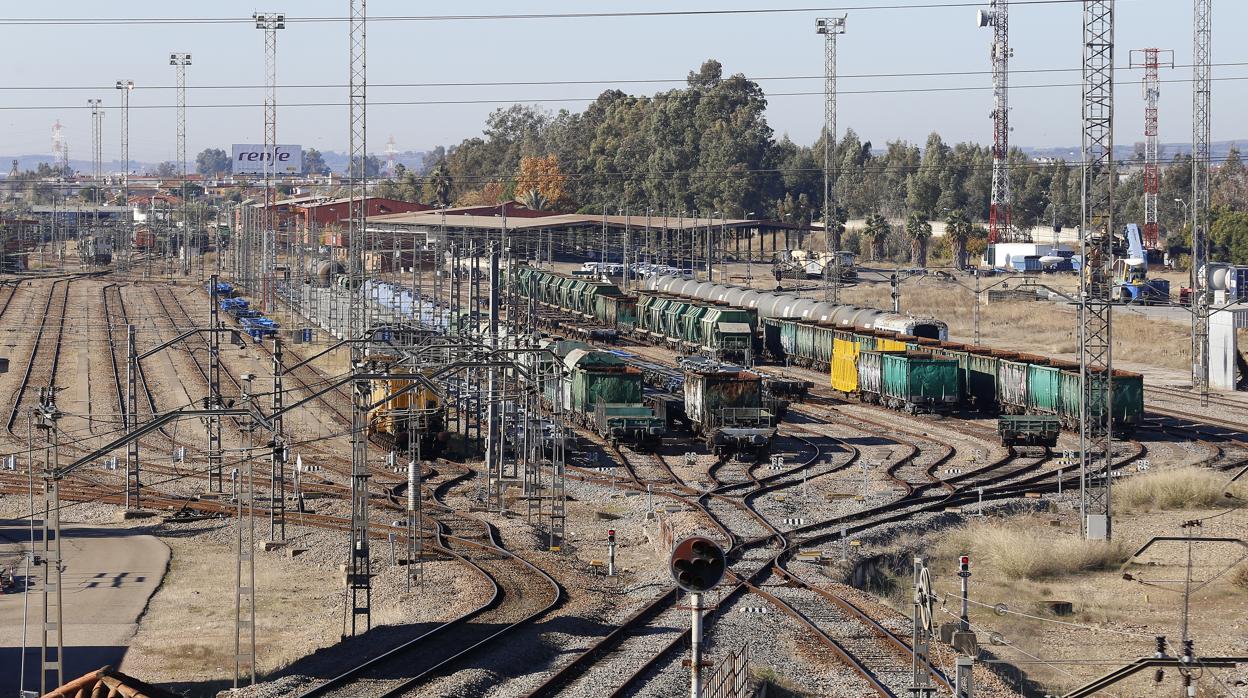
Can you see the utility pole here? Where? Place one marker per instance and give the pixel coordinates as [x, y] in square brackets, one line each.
[180, 61]
[277, 457]
[269, 23]
[1201, 108]
[1151, 60]
[359, 576]
[52, 654]
[97, 167]
[1097, 237]
[245, 553]
[830, 28]
[133, 483]
[215, 483]
[124, 247]
[1000, 227]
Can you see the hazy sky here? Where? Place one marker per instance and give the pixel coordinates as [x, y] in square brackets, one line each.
[770, 45]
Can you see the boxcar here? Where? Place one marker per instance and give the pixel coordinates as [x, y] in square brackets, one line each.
[724, 405]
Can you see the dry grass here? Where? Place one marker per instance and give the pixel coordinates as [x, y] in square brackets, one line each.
[1021, 550]
[1180, 488]
[1039, 327]
[1239, 577]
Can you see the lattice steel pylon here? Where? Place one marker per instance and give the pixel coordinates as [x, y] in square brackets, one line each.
[121, 250]
[180, 61]
[1201, 94]
[359, 578]
[269, 23]
[1097, 236]
[1151, 60]
[1000, 223]
[830, 28]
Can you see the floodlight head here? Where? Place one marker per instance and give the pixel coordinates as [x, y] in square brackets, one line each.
[984, 18]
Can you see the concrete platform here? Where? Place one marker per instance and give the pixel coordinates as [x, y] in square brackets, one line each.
[108, 578]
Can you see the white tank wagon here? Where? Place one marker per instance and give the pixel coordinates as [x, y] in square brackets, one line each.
[786, 305]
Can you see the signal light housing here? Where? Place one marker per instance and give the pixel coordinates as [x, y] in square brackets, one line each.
[697, 564]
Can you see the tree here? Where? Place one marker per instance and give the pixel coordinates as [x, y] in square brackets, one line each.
[213, 162]
[541, 175]
[836, 225]
[438, 186]
[919, 230]
[876, 234]
[1228, 236]
[958, 231]
[314, 162]
[372, 167]
[168, 169]
[533, 200]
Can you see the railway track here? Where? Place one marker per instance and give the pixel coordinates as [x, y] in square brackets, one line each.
[522, 593]
[44, 357]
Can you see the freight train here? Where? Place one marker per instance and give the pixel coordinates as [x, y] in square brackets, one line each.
[985, 380]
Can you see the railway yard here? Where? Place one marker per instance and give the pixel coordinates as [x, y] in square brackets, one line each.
[819, 529]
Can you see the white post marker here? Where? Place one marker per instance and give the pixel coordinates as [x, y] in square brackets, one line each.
[695, 646]
[611, 552]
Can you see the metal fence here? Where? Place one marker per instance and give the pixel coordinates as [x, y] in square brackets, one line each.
[730, 678]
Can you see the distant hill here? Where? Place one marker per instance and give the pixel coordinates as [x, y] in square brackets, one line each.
[1124, 152]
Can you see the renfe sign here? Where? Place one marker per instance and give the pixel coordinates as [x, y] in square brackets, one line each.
[249, 158]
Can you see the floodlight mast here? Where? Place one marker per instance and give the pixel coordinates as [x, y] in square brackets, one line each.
[830, 28]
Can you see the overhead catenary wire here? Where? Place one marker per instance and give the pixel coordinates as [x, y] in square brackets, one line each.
[569, 82]
[292, 19]
[548, 100]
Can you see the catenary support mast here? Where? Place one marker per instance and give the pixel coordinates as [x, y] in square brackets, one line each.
[1097, 235]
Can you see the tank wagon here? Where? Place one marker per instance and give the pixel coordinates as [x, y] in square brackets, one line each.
[784, 305]
[724, 406]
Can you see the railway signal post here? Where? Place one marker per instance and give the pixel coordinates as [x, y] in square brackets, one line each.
[697, 564]
[611, 552]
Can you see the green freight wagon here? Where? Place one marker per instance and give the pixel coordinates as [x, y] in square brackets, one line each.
[724, 404]
[1128, 403]
[918, 381]
[728, 333]
[594, 377]
[982, 368]
[1044, 388]
[635, 424]
[618, 311]
[1029, 430]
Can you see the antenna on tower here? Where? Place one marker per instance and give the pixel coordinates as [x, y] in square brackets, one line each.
[391, 151]
[1151, 60]
[60, 148]
[1000, 227]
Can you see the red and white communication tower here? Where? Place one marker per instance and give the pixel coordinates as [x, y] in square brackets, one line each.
[1151, 60]
[997, 16]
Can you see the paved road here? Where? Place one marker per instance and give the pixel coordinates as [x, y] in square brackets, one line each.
[109, 576]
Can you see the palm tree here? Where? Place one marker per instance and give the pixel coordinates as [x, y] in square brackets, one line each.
[534, 200]
[440, 183]
[876, 232]
[919, 231]
[958, 229]
[835, 227]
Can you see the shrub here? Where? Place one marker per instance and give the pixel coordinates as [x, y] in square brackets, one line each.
[1180, 488]
[1239, 576]
[1022, 552]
